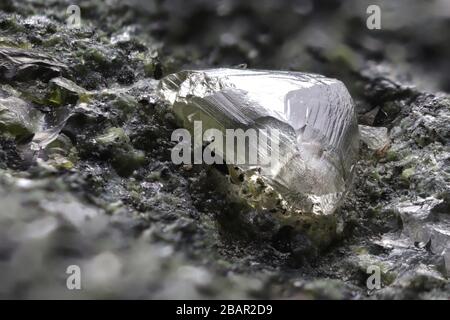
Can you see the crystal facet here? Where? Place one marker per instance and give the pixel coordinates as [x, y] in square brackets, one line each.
[315, 116]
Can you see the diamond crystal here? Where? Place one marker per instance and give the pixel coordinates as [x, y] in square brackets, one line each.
[315, 116]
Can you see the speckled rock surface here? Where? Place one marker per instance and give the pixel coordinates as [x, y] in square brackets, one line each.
[86, 176]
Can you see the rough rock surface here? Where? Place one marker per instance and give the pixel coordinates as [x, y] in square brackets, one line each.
[86, 176]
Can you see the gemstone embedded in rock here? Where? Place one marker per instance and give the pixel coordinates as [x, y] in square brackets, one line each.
[318, 140]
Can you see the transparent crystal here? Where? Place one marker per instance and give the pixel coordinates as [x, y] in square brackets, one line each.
[319, 138]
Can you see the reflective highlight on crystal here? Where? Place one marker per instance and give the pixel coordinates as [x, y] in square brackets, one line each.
[319, 138]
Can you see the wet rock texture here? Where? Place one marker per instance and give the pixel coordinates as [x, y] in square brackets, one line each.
[86, 176]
